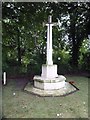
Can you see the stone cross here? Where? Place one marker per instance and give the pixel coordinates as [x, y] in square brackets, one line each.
[49, 40]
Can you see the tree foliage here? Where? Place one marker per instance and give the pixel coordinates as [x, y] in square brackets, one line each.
[24, 37]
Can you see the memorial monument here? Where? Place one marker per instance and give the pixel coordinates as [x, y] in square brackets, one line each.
[50, 83]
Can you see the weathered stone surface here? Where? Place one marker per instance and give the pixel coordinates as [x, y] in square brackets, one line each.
[49, 83]
[60, 78]
[67, 89]
[49, 71]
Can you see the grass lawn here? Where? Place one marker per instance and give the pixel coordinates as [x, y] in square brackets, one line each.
[19, 104]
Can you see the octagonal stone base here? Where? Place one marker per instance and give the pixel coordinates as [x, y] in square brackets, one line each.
[67, 89]
[49, 83]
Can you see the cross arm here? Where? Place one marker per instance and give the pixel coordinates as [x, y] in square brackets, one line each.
[53, 24]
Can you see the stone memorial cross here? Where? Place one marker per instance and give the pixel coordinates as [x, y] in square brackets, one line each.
[50, 83]
[49, 40]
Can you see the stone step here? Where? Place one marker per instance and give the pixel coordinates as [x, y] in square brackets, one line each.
[67, 89]
[60, 78]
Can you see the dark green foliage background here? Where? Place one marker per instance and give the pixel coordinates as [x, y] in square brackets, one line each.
[24, 37]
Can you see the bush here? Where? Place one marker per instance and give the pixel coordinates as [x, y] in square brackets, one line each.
[34, 68]
[84, 63]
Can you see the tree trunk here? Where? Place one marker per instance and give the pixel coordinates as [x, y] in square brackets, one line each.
[18, 47]
[75, 55]
[74, 60]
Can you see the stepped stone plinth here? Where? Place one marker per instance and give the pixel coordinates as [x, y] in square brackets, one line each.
[49, 79]
[49, 84]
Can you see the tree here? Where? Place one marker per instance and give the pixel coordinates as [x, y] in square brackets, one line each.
[77, 30]
[24, 37]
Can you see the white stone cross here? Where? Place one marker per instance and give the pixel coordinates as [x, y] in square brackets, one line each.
[49, 40]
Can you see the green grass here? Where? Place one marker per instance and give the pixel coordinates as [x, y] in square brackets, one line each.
[24, 105]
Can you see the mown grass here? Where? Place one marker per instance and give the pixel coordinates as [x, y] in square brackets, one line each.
[24, 105]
